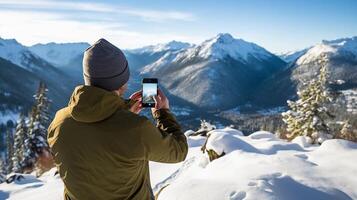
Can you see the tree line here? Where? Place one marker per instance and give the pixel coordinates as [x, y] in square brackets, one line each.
[26, 147]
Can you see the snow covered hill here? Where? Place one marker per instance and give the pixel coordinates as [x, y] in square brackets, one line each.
[258, 166]
[206, 74]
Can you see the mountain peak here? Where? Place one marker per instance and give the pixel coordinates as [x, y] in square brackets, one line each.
[57, 53]
[224, 44]
[175, 45]
[224, 38]
[9, 41]
[338, 46]
[170, 46]
[66, 44]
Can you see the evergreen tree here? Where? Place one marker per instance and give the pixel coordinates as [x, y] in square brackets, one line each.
[2, 171]
[37, 131]
[308, 115]
[9, 151]
[347, 132]
[19, 145]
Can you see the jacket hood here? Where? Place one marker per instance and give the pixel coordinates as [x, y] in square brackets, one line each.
[93, 104]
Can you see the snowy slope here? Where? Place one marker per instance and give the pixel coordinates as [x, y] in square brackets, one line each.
[292, 56]
[18, 54]
[339, 46]
[224, 45]
[59, 54]
[258, 166]
[22, 70]
[341, 66]
[218, 47]
[170, 46]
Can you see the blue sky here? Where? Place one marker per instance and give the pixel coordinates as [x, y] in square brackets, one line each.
[277, 25]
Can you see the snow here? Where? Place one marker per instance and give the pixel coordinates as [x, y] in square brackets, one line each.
[48, 187]
[258, 166]
[170, 46]
[351, 100]
[218, 47]
[303, 141]
[8, 115]
[224, 45]
[341, 46]
[57, 53]
[13, 51]
[292, 56]
[272, 111]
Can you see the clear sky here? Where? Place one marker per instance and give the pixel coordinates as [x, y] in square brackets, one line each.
[277, 25]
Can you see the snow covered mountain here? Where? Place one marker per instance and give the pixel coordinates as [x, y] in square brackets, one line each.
[141, 57]
[342, 69]
[292, 56]
[20, 55]
[59, 54]
[342, 61]
[219, 73]
[22, 70]
[65, 56]
[346, 47]
[170, 46]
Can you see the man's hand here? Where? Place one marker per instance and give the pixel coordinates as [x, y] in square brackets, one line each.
[161, 102]
[136, 107]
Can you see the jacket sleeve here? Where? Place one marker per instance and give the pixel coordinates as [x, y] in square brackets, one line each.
[165, 142]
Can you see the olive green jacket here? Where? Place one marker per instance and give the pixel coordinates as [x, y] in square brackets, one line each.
[101, 149]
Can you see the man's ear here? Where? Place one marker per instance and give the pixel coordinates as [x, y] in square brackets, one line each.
[122, 89]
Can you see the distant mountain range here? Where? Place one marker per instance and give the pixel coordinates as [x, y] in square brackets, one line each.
[221, 73]
[21, 71]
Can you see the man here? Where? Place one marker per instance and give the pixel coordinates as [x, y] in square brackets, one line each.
[101, 146]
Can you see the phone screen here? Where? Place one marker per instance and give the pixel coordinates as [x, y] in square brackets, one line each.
[149, 91]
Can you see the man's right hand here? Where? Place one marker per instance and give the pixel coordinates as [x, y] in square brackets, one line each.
[161, 102]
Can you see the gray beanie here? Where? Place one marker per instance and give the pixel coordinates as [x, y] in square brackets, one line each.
[105, 66]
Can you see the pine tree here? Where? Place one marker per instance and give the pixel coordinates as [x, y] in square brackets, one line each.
[37, 132]
[347, 132]
[9, 151]
[19, 145]
[2, 171]
[308, 115]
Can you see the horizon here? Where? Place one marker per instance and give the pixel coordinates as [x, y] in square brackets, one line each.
[278, 26]
[154, 44]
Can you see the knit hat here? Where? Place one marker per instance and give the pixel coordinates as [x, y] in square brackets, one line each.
[105, 66]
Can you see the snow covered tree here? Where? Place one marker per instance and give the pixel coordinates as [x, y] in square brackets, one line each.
[347, 132]
[2, 171]
[37, 131]
[19, 145]
[9, 151]
[309, 114]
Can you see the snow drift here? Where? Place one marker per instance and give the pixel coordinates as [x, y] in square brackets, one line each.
[258, 166]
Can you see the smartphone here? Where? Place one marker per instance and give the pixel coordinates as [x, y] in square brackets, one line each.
[149, 91]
